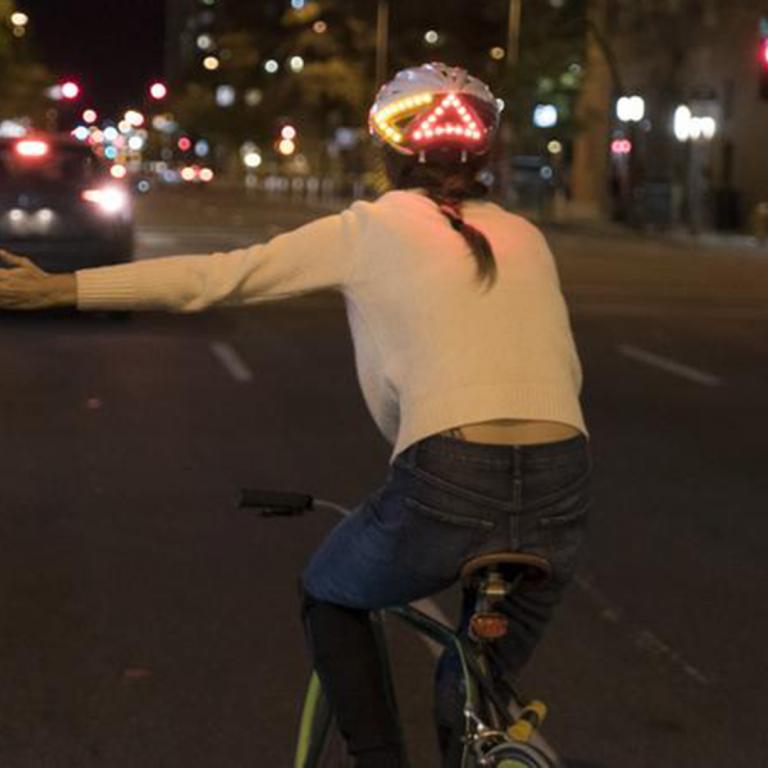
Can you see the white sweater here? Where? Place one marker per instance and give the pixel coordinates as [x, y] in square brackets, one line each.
[433, 350]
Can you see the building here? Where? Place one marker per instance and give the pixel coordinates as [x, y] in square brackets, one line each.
[703, 56]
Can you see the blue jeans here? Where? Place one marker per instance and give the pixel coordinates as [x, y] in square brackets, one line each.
[446, 500]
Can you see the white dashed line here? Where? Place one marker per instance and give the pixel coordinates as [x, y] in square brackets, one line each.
[670, 366]
[231, 361]
[640, 636]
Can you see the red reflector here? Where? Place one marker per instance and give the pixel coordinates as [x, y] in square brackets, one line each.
[32, 148]
[488, 626]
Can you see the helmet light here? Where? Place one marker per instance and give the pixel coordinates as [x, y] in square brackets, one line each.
[452, 117]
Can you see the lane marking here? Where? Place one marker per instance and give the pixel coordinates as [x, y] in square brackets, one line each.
[231, 361]
[150, 239]
[641, 637]
[670, 366]
[433, 610]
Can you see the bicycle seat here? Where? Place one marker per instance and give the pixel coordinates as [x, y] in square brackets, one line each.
[533, 567]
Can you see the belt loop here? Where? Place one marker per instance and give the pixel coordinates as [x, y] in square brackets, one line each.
[518, 466]
[517, 478]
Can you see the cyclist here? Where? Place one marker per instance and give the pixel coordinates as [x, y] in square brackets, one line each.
[468, 365]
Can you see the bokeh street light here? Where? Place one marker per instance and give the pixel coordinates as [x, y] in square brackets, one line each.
[689, 127]
[134, 118]
[211, 63]
[630, 109]
[70, 90]
[545, 116]
[158, 90]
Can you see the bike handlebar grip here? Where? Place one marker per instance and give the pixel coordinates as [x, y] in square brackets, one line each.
[270, 503]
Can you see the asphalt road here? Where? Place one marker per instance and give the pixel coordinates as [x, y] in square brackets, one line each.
[146, 622]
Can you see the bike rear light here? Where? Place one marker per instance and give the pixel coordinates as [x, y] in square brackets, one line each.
[32, 148]
[488, 626]
[108, 199]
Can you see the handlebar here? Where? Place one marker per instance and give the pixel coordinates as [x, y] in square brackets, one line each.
[275, 503]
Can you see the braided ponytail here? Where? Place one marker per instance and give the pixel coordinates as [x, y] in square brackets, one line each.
[448, 185]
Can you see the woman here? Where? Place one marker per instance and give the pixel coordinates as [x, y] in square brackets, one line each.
[467, 362]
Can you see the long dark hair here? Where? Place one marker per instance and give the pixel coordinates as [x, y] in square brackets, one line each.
[448, 182]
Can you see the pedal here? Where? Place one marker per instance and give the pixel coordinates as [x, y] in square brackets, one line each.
[530, 719]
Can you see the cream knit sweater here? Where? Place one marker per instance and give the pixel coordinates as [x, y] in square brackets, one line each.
[433, 350]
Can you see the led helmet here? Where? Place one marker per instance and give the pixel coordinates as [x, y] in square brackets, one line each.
[435, 107]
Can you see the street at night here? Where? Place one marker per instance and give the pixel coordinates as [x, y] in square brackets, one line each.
[486, 282]
[147, 621]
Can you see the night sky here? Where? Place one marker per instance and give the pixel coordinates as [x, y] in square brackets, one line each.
[112, 47]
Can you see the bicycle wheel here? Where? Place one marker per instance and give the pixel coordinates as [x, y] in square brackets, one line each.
[320, 745]
[518, 756]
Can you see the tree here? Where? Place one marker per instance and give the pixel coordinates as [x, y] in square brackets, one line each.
[23, 79]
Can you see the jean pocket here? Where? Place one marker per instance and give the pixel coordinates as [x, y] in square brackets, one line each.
[558, 532]
[448, 517]
[435, 540]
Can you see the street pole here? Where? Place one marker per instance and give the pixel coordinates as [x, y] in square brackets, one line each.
[589, 194]
[382, 41]
[513, 32]
[513, 55]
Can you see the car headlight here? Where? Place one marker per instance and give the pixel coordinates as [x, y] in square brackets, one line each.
[110, 200]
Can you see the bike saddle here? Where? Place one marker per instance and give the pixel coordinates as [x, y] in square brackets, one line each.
[532, 567]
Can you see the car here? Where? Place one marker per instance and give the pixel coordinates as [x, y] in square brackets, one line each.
[59, 205]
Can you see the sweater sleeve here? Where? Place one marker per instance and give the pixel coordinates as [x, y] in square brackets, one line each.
[315, 256]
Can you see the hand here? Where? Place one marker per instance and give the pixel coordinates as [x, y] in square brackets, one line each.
[26, 286]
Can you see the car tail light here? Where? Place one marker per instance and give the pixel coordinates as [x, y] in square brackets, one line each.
[32, 148]
[109, 199]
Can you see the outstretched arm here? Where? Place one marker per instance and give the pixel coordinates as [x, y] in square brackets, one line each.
[23, 285]
[315, 256]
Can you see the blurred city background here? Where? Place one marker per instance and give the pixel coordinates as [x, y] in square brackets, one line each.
[145, 620]
[650, 114]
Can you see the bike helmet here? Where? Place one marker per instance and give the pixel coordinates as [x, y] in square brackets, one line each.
[435, 107]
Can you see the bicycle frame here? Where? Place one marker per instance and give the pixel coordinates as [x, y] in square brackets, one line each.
[479, 738]
[505, 744]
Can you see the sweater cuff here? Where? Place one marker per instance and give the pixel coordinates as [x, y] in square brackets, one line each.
[107, 288]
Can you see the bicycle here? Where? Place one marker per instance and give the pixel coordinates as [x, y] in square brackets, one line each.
[494, 736]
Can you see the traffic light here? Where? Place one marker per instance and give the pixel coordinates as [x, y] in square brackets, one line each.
[763, 59]
[70, 90]
[158, 91]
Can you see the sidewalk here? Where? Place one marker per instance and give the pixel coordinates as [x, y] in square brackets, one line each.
[679, 236]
